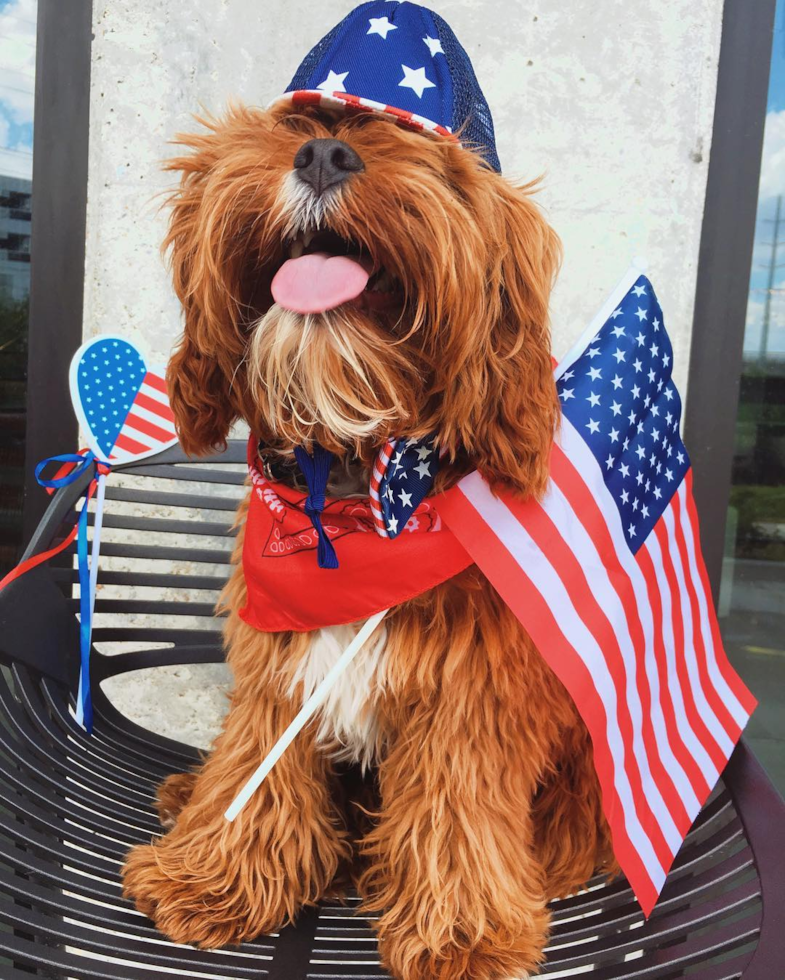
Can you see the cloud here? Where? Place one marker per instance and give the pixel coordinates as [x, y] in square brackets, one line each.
[772, 183]
[17, 58]
[754, 328]
[772, 175]
[16, 161]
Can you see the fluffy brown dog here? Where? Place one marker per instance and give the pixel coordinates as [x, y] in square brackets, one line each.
[487, 803]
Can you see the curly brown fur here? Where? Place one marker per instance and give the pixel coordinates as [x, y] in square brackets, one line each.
[474, 256]
[484, 803]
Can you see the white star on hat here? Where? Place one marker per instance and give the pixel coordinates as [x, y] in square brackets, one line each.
[415, 79]
[380, 26]
[333, 82]
[434, 45]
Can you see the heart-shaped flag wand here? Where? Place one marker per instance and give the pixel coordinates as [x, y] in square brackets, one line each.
[123, 409]
[121, 403]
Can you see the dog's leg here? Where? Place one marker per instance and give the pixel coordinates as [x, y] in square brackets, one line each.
[452, 869]
[213, 883]
[451, 864]
[571, 833]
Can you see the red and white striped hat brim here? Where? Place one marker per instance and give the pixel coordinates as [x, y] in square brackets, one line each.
[346, 102]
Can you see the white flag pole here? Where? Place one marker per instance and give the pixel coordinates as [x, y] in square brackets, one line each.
[315, 701]
[637, 268]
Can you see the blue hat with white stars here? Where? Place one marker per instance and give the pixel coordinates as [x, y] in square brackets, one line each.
[404, 61]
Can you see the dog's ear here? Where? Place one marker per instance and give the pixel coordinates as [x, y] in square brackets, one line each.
[503, 398]
[202, 369]
[200, 400]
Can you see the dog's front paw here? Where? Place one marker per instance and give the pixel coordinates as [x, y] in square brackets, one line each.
[408, 958]
[141, 881]
[210, 910]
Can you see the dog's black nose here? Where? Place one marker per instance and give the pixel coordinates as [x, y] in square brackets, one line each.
[326, 163]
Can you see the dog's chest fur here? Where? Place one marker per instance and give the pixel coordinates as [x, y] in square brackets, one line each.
[348, 717]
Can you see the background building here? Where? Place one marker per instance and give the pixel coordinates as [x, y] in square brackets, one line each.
[15, 217]
[15, 221]
[17, 72]
[753, 579]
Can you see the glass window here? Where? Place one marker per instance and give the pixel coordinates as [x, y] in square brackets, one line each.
[17, 71]
[752, 599]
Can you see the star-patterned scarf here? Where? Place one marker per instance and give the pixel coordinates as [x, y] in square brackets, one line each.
[402, 476]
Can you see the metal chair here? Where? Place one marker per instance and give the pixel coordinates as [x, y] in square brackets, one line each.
[71, 805]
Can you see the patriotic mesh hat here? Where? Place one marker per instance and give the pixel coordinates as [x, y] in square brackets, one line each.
[401, 60]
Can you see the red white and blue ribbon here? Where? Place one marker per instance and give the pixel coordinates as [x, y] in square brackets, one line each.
[88, 568]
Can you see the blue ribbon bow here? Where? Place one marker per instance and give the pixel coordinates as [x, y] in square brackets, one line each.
[82, 463]
[316, 470]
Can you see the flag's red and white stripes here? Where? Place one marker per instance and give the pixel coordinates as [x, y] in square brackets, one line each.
[634, 638]
[377, 475]
[149, 425]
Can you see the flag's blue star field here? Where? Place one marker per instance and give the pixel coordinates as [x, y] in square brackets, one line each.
[620, 397]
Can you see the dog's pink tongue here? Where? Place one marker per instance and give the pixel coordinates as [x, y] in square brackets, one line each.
[318, 282]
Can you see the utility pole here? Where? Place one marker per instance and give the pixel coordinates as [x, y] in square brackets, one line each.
[775, 243]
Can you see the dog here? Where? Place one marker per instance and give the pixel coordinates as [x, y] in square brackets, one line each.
[449, 778]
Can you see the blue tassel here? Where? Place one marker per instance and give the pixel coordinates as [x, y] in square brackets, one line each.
[316, 470]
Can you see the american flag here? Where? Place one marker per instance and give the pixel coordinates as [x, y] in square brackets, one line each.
[122, 404]
[606, 574]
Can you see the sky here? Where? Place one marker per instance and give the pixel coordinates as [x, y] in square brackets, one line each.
[777, 79]
[772, 184]
[17, 72]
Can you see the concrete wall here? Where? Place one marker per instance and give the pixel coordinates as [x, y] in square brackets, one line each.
[612, 101]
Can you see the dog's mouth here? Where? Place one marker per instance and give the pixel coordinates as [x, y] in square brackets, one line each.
[325, 271]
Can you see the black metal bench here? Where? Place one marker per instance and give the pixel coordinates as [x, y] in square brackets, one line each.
[71, 805]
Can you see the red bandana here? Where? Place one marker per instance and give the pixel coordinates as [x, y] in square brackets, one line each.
[288, 591]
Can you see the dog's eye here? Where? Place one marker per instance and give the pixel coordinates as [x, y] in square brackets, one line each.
[310, 121]
[362, 120]
[298, 122]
